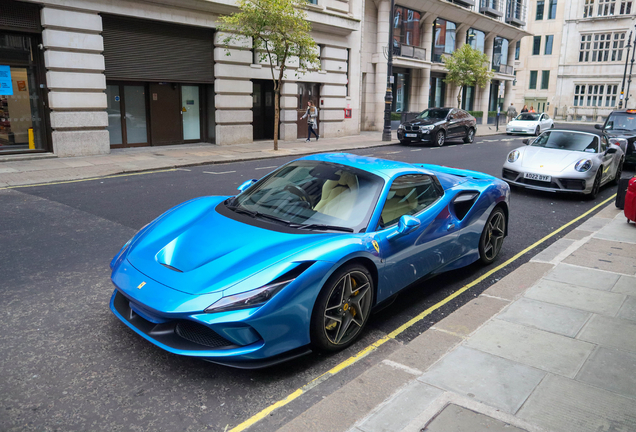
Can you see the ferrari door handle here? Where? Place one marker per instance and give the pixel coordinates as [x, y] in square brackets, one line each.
[450, 227]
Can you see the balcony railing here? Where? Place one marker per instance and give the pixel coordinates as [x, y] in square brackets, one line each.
[410, 51]
[491, 7]
[464, 3]
[503, 69]
[516, 12]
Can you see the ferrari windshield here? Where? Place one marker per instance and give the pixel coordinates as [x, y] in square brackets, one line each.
[621, 121]
[313, 195]
[434, 113]
[528, 117]
[563, 140]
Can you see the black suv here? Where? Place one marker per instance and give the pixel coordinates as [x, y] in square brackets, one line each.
[436, 125]
[620, 129]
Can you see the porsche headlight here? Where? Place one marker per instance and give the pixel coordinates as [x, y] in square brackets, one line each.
[583, 165]
[249, 299]
[513, 156]
[618, 141]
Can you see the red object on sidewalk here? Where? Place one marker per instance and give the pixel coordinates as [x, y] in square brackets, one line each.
[630, 201]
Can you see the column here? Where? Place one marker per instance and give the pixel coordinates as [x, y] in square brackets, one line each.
[288, 113]
[425, 84]
[233, 91]
[460, 36]
[427, 36]
[333, 60]
[75, 77]
[381, 67]
[484, 93]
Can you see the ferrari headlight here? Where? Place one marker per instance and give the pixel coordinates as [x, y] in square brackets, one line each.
[249, 299]
[618, 141]
[513, 156]
[583, 165]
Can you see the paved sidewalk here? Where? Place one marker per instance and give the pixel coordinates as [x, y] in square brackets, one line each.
[550, 347]
[36, 169]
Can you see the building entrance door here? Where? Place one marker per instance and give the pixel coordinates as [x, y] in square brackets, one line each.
[437, 91]
[263, 109]
[306, 92]
[165, 114]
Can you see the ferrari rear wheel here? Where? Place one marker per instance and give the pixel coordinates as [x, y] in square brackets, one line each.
[492, 236]
[342, 308]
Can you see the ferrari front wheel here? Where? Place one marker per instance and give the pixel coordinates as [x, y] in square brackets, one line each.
[342, 308]
[492, 236]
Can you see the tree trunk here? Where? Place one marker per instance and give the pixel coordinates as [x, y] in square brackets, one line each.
[459, 97]
[276, 116]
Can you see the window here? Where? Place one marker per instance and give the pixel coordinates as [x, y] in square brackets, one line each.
[548, 44]
[476, 39]
[517, 50]
[500, 52]
[540, 6]
[406, 27]
[609, 8]
[545, 79]
[552, 9]
[588, 8]
[409, 195]
[533, 80]
[443, 39]
[536, 45]
[595, 95]
[602, 47]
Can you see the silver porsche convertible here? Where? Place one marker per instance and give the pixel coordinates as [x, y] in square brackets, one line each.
[564, 161]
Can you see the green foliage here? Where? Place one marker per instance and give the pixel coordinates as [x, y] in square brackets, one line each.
[467, 67]
[494, 114]
[396, 116]
[476, 114]
[279, 31]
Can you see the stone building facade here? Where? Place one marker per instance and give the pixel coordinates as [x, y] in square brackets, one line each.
[84, 76]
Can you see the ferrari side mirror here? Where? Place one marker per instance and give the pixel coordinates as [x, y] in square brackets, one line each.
[247, 184]
[598, 126]
[406, 224]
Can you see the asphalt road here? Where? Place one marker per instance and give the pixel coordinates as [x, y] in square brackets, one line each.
[67, 363]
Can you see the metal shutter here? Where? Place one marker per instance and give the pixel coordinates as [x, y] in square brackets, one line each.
[19, 16]
[142, 50]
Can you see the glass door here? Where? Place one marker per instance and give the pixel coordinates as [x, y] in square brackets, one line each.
[127, 119]
[190, 111]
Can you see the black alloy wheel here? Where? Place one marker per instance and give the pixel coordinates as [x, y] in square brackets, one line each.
[596, 187]
[440, 138]
[619, 173]
[470, 136]
[537, 131]
[492, 236]
[342, 308]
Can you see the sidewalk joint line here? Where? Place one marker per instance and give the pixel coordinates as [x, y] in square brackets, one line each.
[375, 345]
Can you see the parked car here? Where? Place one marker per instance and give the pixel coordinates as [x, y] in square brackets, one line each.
[298, 260]
[564, 161]
[529, 123]
[437, 125]
[620, 129]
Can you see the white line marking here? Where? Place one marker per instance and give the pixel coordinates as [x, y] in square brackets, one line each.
[402, 367]
[224, 172]
[393, 152]
[417, 150]
[269, 167]
[182, 169]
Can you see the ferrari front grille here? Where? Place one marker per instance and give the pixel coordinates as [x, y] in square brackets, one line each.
[200, 334]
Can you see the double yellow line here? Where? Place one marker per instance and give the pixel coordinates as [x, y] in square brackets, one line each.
[375, 345]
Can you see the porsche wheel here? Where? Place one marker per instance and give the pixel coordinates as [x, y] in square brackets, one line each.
[470, 136]
[492, 236]
[619, 173]
[342, 308]
[596, 186]
[440, 138]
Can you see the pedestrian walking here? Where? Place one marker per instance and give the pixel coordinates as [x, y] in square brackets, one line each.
[524, 109]
[312, 120]
[512, 112]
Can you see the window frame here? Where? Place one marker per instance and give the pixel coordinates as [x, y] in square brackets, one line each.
[545, 79]
[540, 12]
[533, 80]
[552, 9]
[549, 42]
[536, 45]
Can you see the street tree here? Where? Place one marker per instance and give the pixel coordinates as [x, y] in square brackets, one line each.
[467, 67]
[279, 31]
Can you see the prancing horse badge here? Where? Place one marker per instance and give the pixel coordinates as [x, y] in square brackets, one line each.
[141, 285]
[376, 246]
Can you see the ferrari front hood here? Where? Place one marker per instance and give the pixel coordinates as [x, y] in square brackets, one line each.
[555, 160]
[196, 250]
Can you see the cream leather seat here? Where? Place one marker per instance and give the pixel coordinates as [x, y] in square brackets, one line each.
[338, 197]
[404, 201]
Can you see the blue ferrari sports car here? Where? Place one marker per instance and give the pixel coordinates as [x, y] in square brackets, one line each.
[300, 258]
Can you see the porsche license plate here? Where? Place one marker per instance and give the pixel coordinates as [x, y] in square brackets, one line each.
[539, 177]
[411, 135]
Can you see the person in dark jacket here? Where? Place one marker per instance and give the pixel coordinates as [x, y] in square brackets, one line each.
[524, 109]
